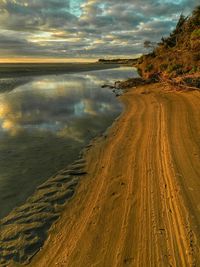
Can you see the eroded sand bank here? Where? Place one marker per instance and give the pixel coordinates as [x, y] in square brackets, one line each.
[139, 203]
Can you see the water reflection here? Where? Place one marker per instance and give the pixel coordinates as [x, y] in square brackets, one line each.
[45, 123]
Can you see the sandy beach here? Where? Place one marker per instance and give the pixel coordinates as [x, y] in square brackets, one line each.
[100, 133]
[139, 203]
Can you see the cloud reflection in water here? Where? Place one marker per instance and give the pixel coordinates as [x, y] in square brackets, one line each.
[45, 123]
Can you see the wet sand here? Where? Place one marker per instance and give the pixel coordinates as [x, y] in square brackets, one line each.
[139, 203]
[31, 69]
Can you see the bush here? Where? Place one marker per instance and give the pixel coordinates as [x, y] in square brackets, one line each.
[163, 66]
[196, 16]
[139, 71]
[195, 82]
[153, 54]
[149, 67]
[179, 72]
[171, 41]
[195, 34]
[187, 69]
[193, 70]
[174, 67]
[195, 40]
[196, 56]
[140, 60]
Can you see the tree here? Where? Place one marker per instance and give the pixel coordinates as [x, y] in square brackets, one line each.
[149, 44]
[171, 41]
[196, 16]
[196, 12]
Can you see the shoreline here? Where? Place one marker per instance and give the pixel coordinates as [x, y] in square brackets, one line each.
[125, 182]
[36, 215]
[138, 199]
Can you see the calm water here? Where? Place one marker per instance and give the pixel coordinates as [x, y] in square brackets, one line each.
[45, 123]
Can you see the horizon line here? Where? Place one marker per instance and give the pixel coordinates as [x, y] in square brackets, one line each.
[60, 60]
[46, 60]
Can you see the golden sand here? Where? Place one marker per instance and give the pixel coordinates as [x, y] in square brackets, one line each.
[139, 204]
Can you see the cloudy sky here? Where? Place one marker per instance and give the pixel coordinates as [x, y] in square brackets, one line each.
[87, 29]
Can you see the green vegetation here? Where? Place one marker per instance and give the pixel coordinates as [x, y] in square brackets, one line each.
[174, 67]
[163, 66]
[171, 41]
[178, 54]
[195, 34]
[195, 16]
[196, 56]
[139, 71]
[149, 67]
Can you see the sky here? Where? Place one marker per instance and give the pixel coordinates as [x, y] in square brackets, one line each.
[57, 30]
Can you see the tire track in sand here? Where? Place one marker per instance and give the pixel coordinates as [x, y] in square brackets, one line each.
[174, 214]
[148, 220]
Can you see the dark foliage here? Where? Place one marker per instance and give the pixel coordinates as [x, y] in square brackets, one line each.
[171, 41]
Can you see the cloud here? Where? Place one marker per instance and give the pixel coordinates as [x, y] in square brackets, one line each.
[34, 14]
[90, 28]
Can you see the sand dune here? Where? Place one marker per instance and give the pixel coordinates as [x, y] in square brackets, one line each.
[139, 204]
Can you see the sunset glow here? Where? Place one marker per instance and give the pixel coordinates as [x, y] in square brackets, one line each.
[83, 30]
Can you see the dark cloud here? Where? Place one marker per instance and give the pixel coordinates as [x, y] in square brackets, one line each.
[35, 14]
[57, 28]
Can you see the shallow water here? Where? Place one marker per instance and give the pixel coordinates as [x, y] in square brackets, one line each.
[45, 123]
